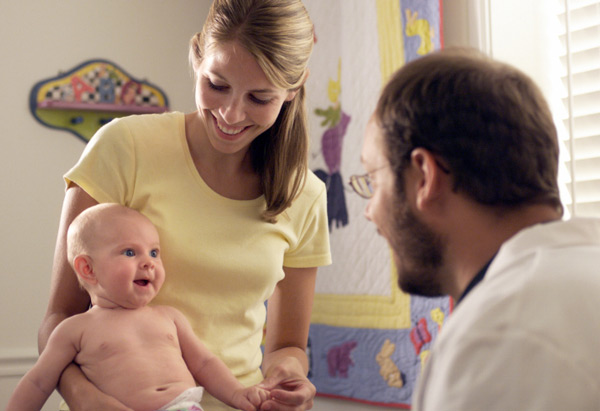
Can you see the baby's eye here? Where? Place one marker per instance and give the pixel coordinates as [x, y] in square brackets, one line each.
[154, 253]
[129, 253]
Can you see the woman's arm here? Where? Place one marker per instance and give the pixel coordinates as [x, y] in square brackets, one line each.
[67, 299]
[66, 296]
[285, 363]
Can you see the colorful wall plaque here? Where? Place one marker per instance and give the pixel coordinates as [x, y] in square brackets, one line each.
[90, 95]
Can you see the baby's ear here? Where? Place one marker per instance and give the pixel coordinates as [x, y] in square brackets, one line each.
[82, 264]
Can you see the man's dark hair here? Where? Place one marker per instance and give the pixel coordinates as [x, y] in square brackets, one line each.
[487, 122]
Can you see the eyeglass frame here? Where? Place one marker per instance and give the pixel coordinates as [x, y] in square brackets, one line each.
[355, 179]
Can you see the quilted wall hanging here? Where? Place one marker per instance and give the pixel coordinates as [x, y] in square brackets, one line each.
[368, 340]
[91, 94]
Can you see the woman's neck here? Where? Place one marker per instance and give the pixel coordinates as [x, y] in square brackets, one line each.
[230, 175]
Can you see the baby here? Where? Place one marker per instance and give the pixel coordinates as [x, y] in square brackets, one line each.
[147, 357]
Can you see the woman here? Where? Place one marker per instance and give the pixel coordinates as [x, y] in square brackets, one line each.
[240, 218]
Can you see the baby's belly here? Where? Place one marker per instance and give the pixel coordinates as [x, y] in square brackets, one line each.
[151, 399]
[143, 385]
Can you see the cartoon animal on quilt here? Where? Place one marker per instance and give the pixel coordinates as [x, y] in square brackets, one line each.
[421, 28]
[336, 121]
[339, 359]
[387, 368]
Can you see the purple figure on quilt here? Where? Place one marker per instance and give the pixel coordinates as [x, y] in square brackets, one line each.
[339, 359]
[331, 143]
[331, 147]
[336, 121]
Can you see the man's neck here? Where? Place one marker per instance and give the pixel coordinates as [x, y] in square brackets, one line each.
[474, 243]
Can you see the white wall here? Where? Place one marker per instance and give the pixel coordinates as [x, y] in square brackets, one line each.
[148, 39]
[520, 33]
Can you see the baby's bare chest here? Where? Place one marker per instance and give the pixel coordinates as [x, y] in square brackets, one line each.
[120, 335]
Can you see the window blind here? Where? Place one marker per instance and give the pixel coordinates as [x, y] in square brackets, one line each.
[579, 120]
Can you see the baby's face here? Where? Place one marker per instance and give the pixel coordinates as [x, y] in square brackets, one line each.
[127, 262]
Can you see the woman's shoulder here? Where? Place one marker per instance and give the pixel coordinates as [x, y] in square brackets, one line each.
[313, 193]
[145, 122]
[139, 130]
[313, 186]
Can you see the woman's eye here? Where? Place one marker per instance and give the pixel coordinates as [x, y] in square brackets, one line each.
[154, 253]
[214, 86]
[129, 252]
[258, 100]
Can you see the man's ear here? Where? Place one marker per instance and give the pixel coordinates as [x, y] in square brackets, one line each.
[431, 177]
[82, 264]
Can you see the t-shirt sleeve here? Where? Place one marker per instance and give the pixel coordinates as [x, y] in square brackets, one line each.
[106, 168]
[312, 248]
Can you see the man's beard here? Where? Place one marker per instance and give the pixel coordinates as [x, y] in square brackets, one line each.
[418, 252]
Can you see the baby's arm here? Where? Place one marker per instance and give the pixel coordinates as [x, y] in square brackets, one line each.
[212, 373]
[40, 381]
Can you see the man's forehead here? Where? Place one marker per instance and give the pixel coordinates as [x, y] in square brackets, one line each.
[373, 148]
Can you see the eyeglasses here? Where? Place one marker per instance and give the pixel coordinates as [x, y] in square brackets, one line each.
[361, 184]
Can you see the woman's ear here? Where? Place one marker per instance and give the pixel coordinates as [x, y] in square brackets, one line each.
[292, 93]
[82, 264]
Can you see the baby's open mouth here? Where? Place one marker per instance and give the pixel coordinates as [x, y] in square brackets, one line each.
[143, 283]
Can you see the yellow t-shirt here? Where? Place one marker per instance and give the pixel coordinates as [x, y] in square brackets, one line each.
[222, 261]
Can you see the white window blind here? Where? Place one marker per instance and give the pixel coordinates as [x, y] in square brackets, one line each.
[579, 120]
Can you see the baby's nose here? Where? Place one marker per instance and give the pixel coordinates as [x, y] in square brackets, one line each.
[148, 264]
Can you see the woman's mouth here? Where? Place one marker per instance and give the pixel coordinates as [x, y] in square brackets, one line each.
[229, 131]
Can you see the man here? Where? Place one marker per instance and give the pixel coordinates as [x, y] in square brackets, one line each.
[461, 157]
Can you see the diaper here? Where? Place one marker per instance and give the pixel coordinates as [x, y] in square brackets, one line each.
[189, 400]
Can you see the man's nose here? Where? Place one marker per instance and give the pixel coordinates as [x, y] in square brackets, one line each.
[367, 211]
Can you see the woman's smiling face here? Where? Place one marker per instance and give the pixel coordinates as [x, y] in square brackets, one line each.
[235, 99]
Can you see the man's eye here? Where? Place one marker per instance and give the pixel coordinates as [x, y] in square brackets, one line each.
[129, 252]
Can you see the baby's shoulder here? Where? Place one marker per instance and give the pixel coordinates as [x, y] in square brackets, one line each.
[71, 328]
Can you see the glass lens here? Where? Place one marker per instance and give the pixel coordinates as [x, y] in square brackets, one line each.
[362, 185]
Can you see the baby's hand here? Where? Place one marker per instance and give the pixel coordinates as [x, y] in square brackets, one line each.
[250, 398]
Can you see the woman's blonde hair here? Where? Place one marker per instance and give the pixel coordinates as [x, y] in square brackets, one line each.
[280, 36]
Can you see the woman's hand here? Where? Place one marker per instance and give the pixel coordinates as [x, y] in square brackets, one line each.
[285, 363]
[81, 395]
[290, 390]
[99, 402]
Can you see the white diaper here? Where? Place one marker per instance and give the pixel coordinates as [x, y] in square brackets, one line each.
[189, 400]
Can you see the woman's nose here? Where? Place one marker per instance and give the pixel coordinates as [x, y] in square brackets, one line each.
[233, 111]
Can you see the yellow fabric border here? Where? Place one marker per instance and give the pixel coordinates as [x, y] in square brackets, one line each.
[391, 44]
[364, 311]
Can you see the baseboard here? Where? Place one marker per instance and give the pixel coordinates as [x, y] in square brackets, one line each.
[16, 362]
